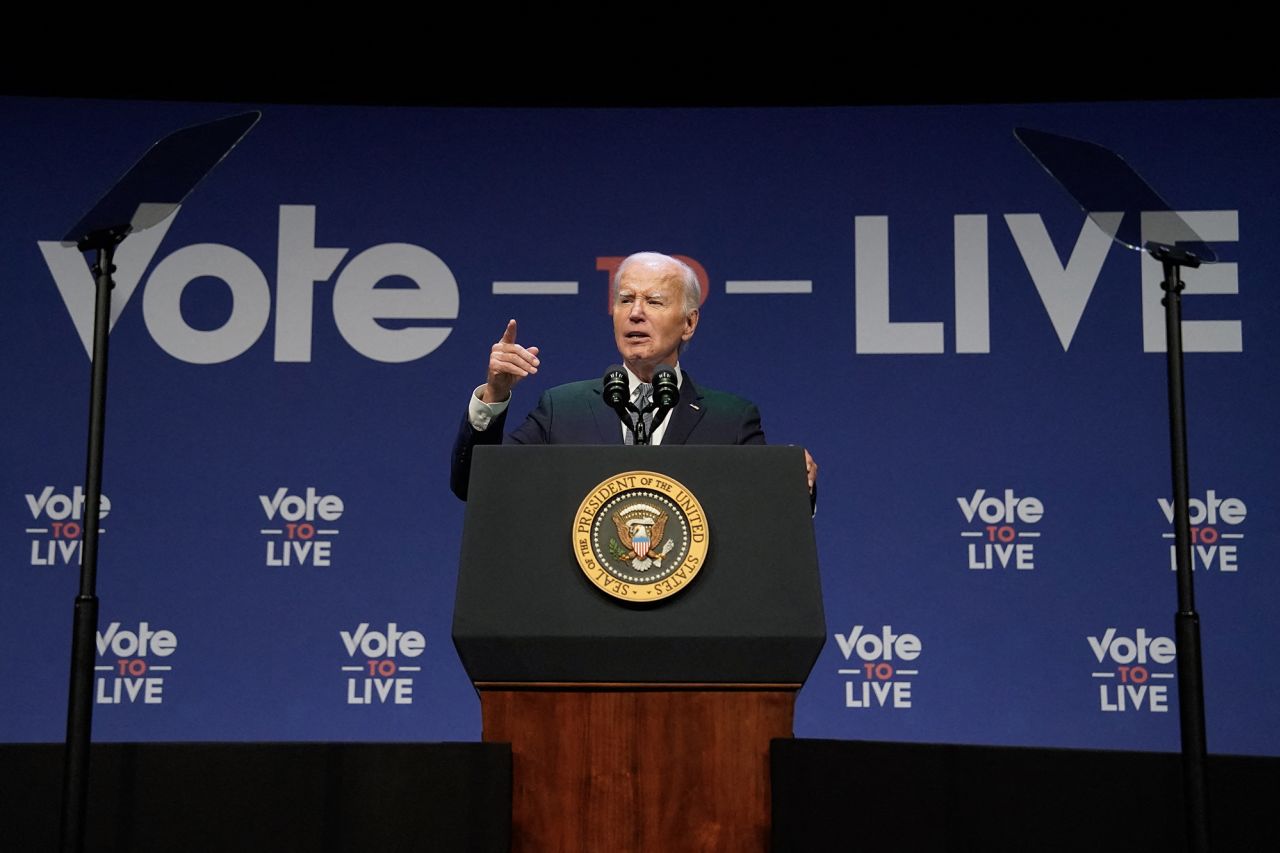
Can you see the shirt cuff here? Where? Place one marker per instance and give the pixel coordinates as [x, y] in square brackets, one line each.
[480, 413]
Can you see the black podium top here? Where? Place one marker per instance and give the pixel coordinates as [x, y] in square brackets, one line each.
[526, 612]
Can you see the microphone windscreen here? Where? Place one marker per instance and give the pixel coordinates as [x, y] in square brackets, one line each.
[666, 391]
[616, 390]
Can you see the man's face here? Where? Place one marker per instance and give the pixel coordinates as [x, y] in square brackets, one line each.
[649, 321]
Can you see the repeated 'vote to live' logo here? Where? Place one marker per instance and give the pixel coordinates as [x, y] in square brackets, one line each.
[303, 527]
[1002, 538]
[879, 681]
[379, 677]
[1216, 532]
[1136, 671]
[132, 664]
[57, 523]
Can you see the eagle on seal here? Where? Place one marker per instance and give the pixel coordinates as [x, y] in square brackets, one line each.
[638, 535]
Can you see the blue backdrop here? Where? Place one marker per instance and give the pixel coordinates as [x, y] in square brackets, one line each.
[977, 370]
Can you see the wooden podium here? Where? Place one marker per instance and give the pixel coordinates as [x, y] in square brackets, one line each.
[638, 727]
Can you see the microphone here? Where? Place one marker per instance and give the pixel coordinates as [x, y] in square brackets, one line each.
[616, 391]
[666, 393]
[617, 396]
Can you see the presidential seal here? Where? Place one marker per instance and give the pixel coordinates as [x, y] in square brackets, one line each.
[640, 536]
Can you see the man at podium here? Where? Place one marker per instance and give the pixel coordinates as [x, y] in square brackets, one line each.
[655, 301]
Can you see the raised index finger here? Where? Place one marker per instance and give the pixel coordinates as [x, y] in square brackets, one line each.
[509, 336]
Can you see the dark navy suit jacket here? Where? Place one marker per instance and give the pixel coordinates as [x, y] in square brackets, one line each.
[577, 414]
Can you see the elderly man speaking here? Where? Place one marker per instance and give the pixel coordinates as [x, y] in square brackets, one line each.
[655, 312]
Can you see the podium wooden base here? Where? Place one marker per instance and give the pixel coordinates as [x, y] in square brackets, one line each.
[634, 768]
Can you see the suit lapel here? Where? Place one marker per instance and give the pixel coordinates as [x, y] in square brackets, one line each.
[685, 416]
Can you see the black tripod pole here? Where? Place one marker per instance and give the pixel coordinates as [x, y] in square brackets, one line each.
[151, 190]
[75, 765]
[1195, 762]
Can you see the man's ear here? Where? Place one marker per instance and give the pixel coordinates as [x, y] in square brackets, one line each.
[691, 323]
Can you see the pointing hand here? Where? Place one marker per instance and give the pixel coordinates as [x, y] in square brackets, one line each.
[508, 364]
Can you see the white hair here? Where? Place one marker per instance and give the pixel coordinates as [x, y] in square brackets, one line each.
[688, 278]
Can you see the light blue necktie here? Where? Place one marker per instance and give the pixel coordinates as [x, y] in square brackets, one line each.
[644, 395]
